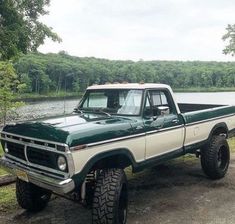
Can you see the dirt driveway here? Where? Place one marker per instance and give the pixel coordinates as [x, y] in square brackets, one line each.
[177, 192]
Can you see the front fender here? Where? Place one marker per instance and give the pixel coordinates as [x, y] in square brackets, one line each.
[80, 177]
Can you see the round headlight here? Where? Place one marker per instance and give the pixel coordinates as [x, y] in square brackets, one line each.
[61, 162]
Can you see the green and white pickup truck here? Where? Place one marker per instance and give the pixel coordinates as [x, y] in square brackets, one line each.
[114, 126]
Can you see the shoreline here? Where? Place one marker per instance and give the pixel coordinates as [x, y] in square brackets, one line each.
[38, 98]
[203, 90]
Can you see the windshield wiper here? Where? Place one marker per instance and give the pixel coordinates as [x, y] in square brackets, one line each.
[101, 111]
[76, 110]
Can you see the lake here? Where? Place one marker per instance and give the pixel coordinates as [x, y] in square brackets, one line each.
[57, 107]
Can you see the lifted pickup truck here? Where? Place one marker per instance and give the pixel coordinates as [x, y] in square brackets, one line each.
[114, 126]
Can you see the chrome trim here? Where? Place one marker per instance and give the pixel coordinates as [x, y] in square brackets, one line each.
[35, 139]
[42, 168]
[25, 153]
[67, 153]
[34, 145]
[164, 129]
[207, 120]
[52, 184]
[71, 167]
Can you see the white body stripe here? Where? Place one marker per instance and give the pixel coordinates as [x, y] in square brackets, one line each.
[163, 142]
[135, 145]
[199, 132]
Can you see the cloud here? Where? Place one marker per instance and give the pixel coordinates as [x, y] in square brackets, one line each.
[134, 29]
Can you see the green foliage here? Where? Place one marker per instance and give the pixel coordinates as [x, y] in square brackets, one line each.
[231, 142]
[2, 172]
[8, 83]
[1, 151]
[46, 73]
[20, 28]
[230, 37]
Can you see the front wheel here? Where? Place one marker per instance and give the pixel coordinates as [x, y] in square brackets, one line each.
[215, 157]
[110, 198]
[30, 196]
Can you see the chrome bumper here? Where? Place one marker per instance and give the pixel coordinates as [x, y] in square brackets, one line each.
[52, 184]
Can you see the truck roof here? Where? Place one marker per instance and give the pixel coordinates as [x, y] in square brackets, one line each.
[129, 86]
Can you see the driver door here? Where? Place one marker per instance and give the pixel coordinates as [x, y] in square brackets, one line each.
[164, 132]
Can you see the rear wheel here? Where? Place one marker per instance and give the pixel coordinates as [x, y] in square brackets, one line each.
[110, 198]
[215, 157]
[31, 197]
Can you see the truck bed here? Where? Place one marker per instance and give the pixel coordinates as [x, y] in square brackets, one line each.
[189, 107]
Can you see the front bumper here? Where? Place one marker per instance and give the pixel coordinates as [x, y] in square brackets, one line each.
[52, 184]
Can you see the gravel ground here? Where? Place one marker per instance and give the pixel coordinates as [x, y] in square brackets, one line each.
[42, 109]
[177, 192]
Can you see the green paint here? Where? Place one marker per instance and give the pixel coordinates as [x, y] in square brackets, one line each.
[202, 115]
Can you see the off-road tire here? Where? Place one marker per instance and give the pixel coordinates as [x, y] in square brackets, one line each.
[31, 197]
[215, 157]
[110, 198]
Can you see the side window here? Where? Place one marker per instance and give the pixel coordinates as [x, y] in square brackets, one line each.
[158, 98]
[164, 99]
[154, 100]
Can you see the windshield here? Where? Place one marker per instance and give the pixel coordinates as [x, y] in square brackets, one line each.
[113, 101]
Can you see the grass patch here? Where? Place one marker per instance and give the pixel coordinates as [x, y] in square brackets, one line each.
[8, 198]
[231, 142]
[1, 150]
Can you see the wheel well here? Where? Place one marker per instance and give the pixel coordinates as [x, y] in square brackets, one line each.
[114, 161]
[220, 130]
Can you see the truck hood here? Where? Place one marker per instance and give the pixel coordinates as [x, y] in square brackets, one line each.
[75, 129]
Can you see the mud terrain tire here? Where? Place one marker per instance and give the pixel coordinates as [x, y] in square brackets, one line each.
[215, 157]
[110, 198]
[31, 197]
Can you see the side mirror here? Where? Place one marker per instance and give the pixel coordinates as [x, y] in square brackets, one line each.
[163, 110]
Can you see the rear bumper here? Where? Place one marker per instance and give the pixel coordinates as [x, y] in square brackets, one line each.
[52, 184]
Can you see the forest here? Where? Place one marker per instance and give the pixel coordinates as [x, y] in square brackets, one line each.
[54, 73]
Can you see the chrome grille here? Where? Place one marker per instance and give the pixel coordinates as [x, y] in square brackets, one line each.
[35, 153]
[43, 158]
[16, 150]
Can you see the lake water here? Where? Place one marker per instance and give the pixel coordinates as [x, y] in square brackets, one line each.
[207, 98]
[51, 108]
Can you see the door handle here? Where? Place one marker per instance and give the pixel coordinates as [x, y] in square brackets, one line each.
[139, 127]
[175, 121]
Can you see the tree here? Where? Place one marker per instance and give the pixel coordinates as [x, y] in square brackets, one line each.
[20, 28]
[21, 32]
[230, 37]
[8, 82]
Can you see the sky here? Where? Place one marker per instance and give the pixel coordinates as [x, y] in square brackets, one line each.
[141, 29]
